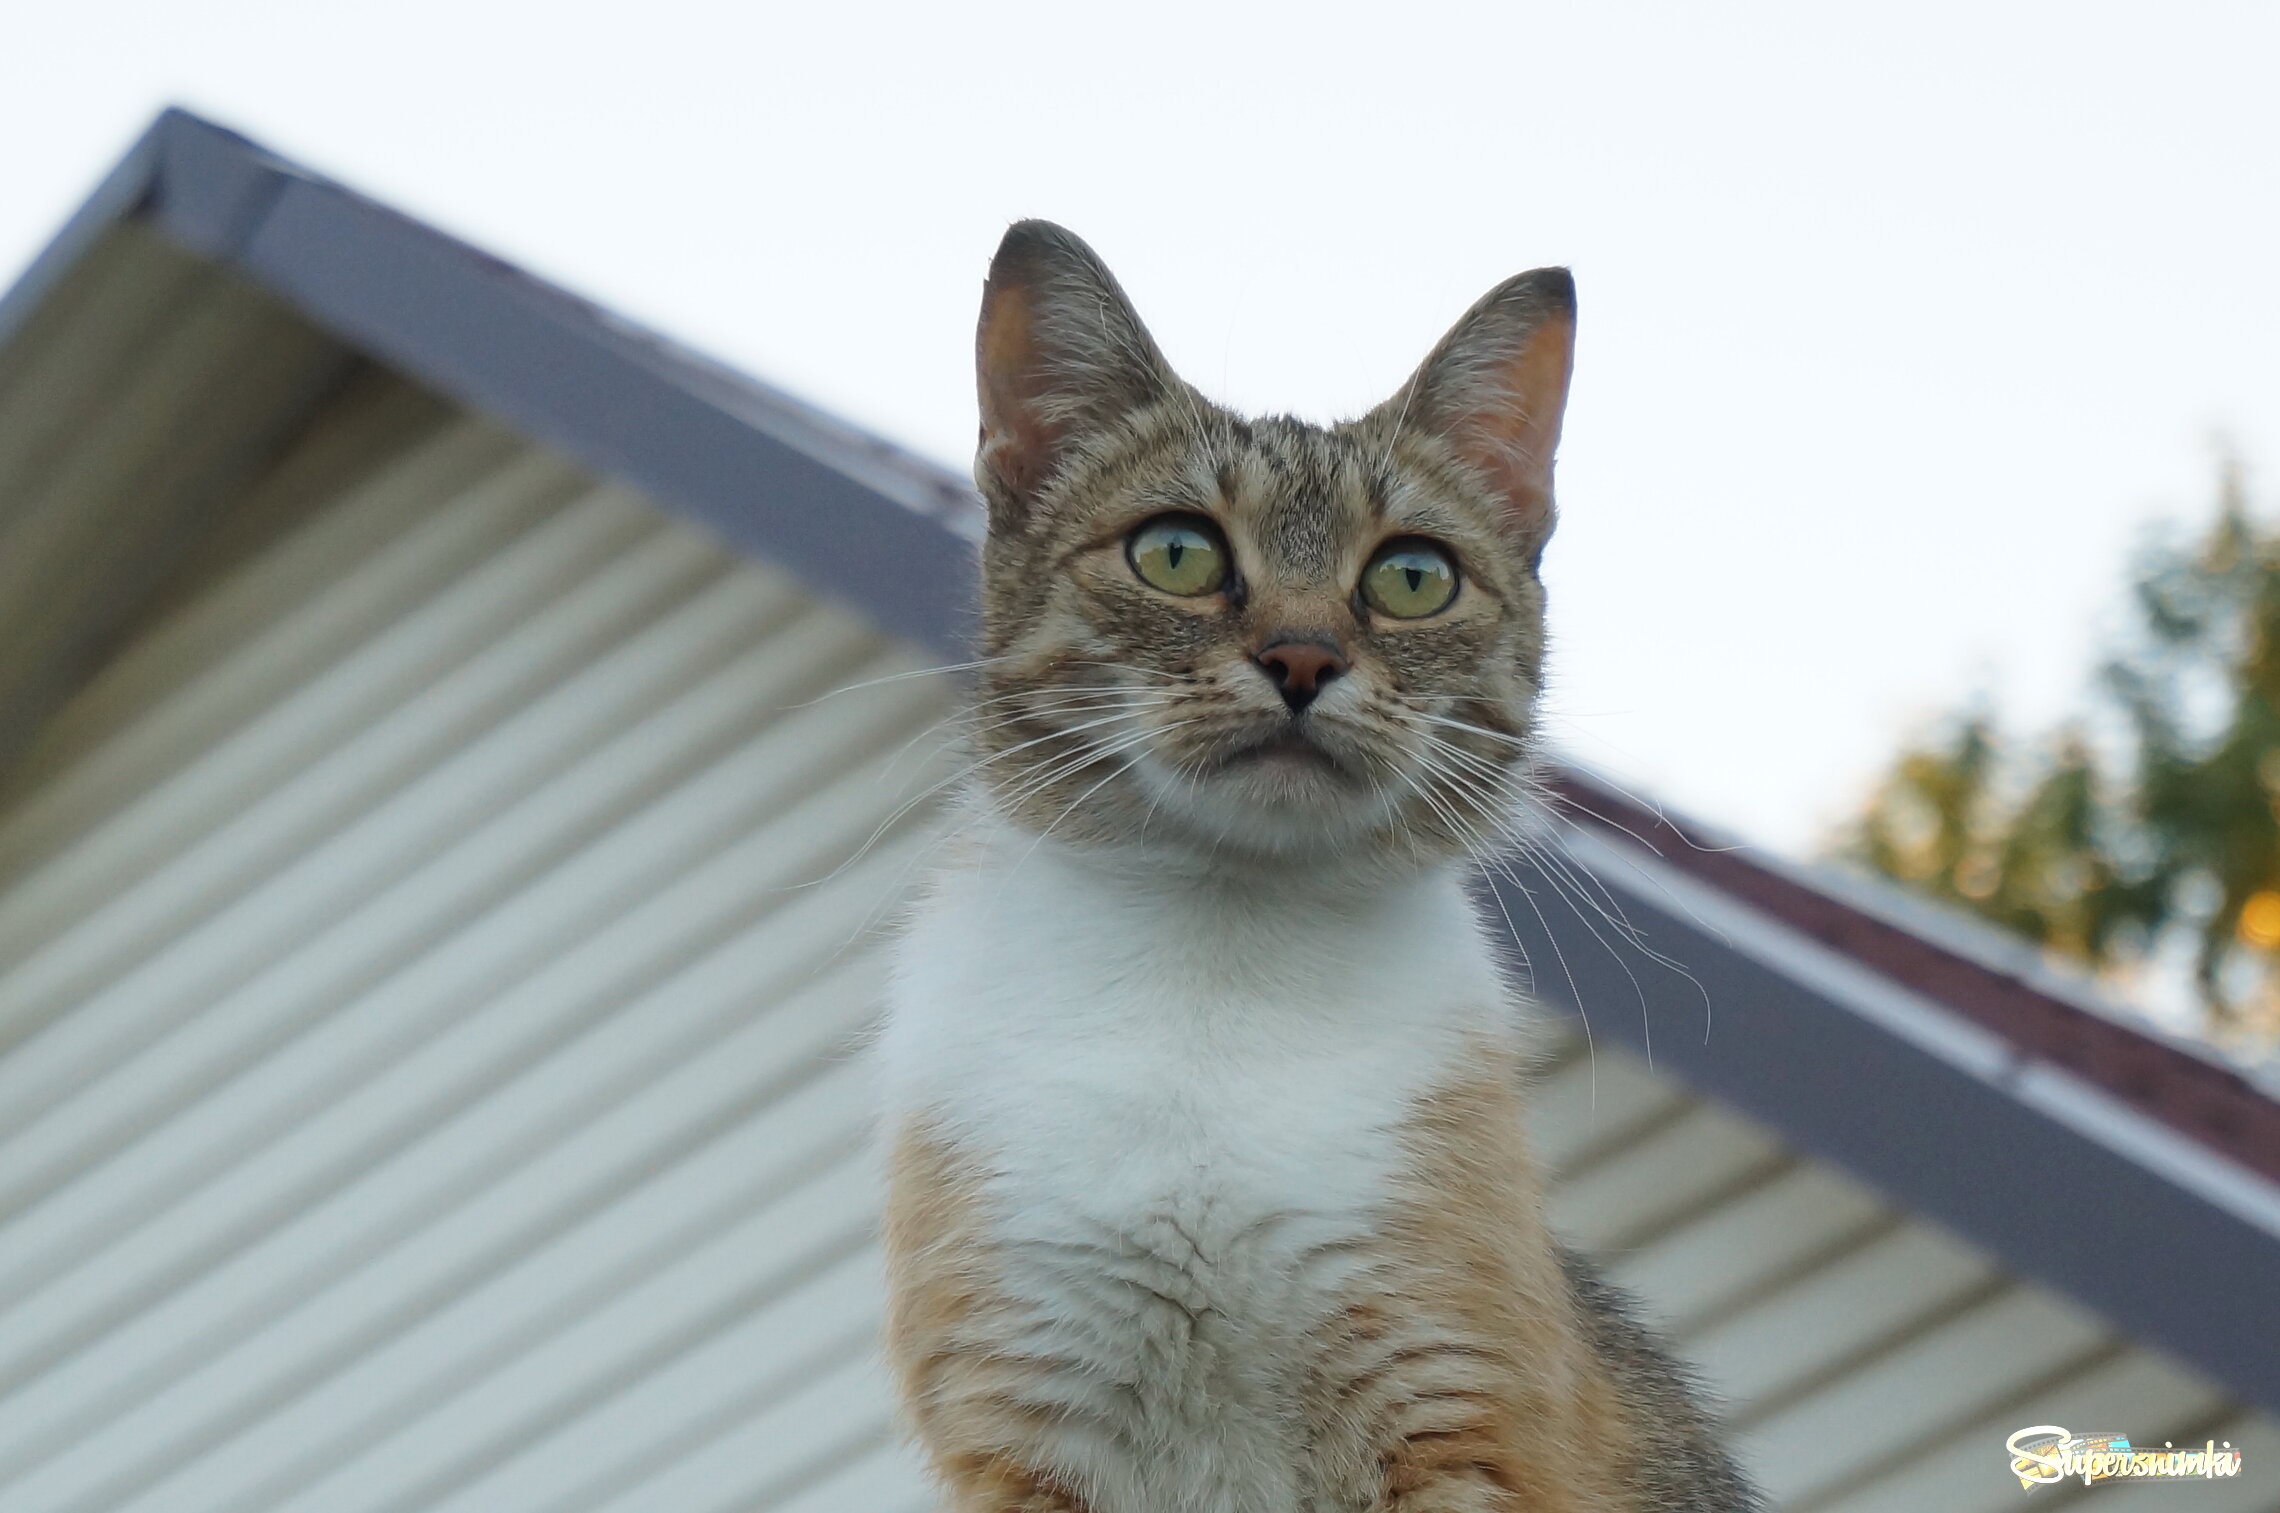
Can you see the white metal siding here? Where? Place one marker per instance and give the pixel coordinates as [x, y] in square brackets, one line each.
[1870, 1363]
[432, 961]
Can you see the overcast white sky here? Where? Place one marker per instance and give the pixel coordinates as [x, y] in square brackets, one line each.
[1898, 324]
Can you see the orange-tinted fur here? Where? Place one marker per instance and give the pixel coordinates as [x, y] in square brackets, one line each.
[946, 1325]
[1466, 1362]
[1462, 1382]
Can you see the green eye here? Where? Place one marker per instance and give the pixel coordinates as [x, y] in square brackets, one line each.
[1180, 554]
[1410, 580]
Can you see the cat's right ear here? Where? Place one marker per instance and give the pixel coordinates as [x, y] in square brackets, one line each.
[1060, 354]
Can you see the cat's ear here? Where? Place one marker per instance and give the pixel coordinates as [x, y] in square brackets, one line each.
[1059, 354]
[1496, 388]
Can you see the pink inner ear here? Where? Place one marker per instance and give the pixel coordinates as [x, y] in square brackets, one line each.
[1512, 426]
[1017, 443]
[1006, 354]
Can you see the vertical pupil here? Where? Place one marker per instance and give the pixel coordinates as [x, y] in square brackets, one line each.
[1416, 576]
[1174, 550]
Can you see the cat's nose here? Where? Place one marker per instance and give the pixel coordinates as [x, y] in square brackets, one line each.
[1299, 668]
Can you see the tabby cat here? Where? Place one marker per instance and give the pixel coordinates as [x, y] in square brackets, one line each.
[1208, 1191]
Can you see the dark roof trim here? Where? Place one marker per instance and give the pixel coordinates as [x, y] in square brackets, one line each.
[2120, 1168]
[2197, 1097]
[2100, 1160]
[852, 516]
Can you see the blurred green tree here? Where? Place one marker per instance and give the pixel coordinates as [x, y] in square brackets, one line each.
[2163, 832]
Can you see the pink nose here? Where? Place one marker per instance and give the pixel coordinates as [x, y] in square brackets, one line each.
[1300, 668]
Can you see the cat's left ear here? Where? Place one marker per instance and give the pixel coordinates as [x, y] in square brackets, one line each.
[1060, 354]
[1496, 389]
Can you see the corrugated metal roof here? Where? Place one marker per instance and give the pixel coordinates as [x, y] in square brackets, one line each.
[892, 534]
[438, 948]
[433, 960]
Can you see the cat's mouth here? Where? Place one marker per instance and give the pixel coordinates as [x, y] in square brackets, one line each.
[1289, 750]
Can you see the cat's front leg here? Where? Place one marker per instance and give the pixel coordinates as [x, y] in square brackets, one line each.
[1462, 1454]
[1000, 1484]
[951, 1337]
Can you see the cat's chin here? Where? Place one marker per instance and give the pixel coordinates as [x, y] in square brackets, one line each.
[1281, 796]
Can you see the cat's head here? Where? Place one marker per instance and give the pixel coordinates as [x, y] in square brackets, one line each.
[1258, 635]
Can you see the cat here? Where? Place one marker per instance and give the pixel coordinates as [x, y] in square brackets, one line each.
[1207, 1186]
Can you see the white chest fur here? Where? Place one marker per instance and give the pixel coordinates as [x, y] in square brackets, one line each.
[1187, 1096]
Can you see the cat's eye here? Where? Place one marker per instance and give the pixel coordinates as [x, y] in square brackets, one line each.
[1180, 554]
[1410, 580]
